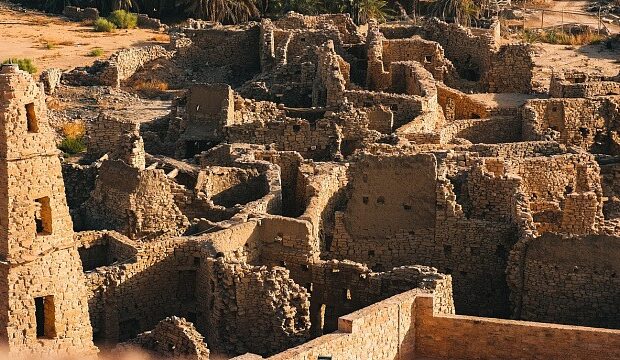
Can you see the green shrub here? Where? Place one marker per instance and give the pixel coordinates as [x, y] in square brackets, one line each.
[123, 19]
[72, 145]
[103, 25]
[24, 64]
[96, 52]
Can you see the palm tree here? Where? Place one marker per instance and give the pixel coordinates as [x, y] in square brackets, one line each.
[224, 11]
[371, 9]
[460, 11]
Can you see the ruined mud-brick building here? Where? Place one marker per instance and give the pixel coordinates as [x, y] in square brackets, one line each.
[321, 192]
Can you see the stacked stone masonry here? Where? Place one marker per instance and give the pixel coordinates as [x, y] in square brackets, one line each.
[318, 190]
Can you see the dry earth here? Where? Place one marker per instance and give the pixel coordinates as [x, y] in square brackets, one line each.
[26, 34]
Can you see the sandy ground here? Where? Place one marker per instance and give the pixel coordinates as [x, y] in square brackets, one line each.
[27, 35]
[588, 58]
[556, 18]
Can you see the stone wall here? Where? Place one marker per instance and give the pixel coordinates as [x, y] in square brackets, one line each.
[410, 326]
[234, 293]
[587, 123]
[457, 105]
[42, 305]
[315, 140]
[581, 85]
[487, 131]
[233, 47]
[137, 203]
[172, 338]
[75, 13]
[120, 66]
[511, 69]
[443, 336]
[571, 280]
[106, 134]
[476, 261]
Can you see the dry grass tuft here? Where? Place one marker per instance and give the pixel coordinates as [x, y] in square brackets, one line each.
[160, 38]
[54, 43]
[150, 85]
[74, 130]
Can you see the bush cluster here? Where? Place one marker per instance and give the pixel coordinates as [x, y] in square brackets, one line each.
[123, 19]
[103, 25]
[24, 64]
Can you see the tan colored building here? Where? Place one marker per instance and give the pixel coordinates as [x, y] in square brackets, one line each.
[43, 306]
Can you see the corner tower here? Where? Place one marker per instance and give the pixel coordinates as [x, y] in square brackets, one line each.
[43, 295]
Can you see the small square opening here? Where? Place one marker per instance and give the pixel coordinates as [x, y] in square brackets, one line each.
[45, 317]
[43, 216]
[31, 117]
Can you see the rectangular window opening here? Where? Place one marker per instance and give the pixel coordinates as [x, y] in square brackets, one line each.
[45, 317]
[43, 216]
[31, 117]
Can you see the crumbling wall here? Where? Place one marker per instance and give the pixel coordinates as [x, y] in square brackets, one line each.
[557, 187]
[138, 203]
[172, 338]
[581, 85]
[252, 308]
[76, 13]
[120, 66]
[476, 261]
[235, 48]
[587, 123]
[123, 301]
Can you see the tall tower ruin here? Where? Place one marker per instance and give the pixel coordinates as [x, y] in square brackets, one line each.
[43, 295]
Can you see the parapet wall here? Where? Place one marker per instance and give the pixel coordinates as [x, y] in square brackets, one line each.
[408, 326]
